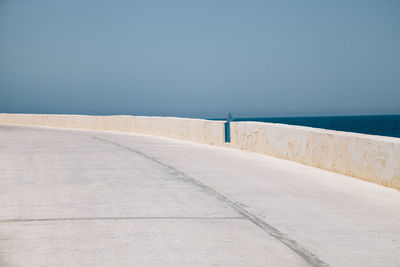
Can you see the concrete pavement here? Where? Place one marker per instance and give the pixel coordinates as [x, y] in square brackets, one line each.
[91, 198]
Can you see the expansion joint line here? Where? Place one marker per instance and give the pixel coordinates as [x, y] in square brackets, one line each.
[118, 218]
[304, 253]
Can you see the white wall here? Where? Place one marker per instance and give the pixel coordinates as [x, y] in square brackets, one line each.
[369, 157]
[197, 130]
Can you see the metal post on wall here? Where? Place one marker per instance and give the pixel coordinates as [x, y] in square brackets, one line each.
[228, 128]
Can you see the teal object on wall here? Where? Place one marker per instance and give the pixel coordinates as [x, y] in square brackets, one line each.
[228, 128]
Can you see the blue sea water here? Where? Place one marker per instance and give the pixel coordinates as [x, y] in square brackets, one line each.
[385, 125]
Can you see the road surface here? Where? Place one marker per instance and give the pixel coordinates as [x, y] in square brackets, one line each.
[92, 198]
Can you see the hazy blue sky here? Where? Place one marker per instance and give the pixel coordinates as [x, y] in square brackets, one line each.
[200, 58]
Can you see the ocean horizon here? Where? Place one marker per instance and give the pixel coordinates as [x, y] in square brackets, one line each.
[383, 125]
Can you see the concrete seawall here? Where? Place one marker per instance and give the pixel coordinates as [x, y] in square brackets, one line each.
[196, 130]
[368, 157]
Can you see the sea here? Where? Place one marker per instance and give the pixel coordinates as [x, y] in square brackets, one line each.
[384, 125]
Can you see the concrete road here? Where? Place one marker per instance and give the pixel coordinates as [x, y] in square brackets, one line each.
[86, 198]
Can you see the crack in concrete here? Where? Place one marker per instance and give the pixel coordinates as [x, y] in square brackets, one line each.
[304, 253]
[121, 218]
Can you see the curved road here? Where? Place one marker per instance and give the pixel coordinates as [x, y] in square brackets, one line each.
[91, 198]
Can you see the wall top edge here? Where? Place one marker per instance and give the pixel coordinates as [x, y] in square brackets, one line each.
[250, 123]
[120, 116]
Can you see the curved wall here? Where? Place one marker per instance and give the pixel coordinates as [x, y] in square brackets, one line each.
[197, 130]
[368, 157]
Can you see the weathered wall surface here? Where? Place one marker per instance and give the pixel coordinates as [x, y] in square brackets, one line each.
[197, 130]
[372, 158]
[369, 157]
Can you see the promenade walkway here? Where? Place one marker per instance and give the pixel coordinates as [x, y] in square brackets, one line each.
[91, 198]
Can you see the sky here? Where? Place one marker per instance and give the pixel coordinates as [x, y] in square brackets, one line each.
[200, 58]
